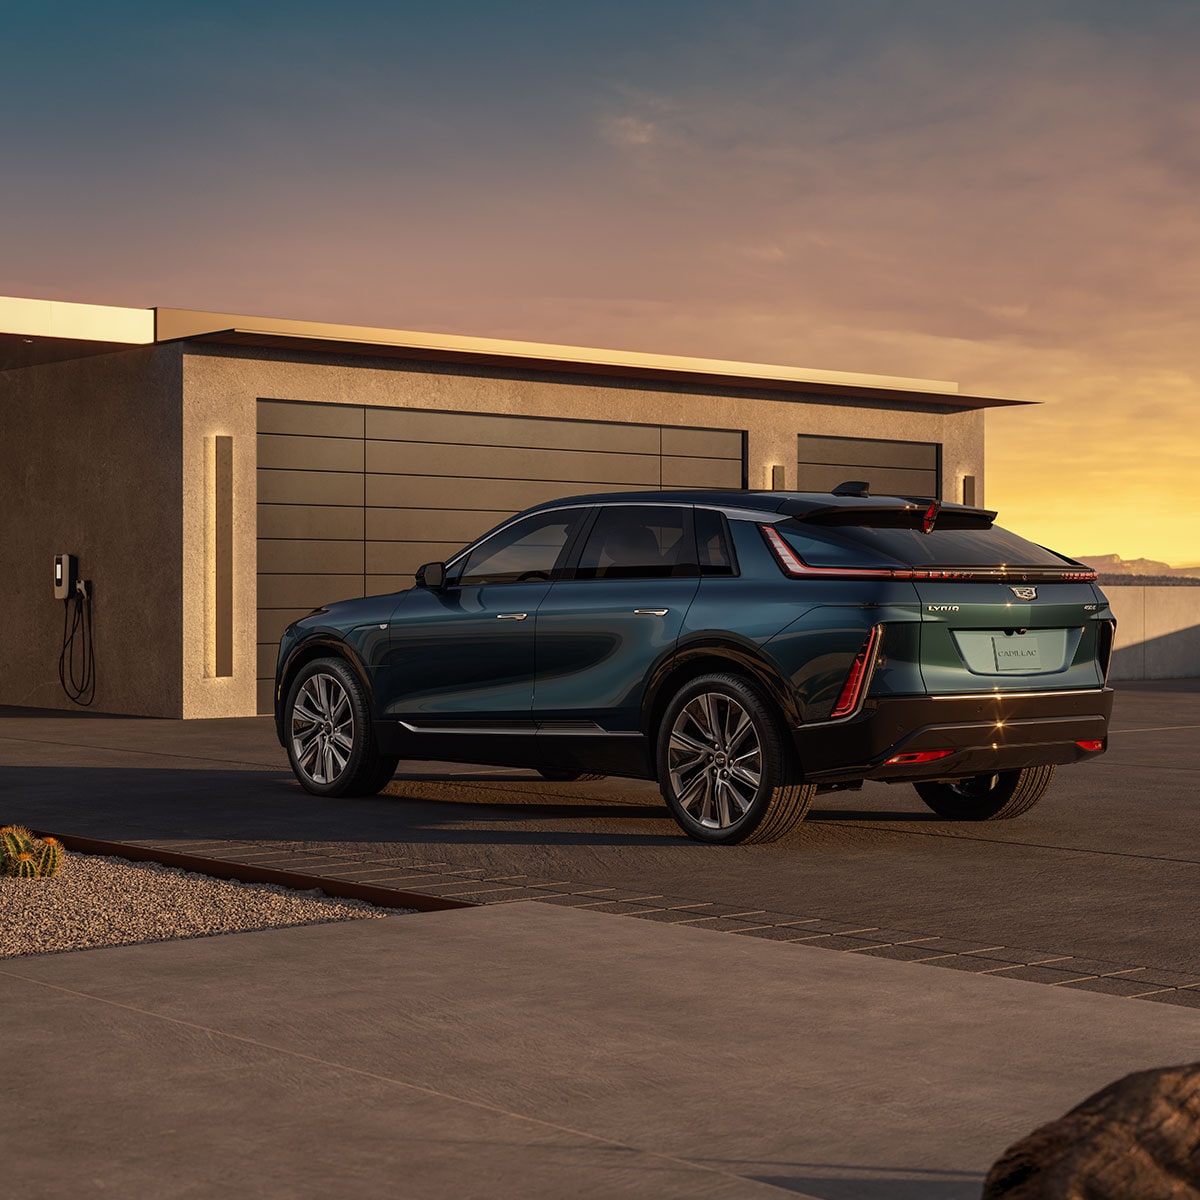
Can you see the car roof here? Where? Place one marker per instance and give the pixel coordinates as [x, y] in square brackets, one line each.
[789, 503]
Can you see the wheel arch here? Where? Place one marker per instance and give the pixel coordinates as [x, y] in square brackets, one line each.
[312, 648]
[707, 656]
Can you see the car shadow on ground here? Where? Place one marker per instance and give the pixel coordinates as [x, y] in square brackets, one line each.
[121, 803]
[422, 808]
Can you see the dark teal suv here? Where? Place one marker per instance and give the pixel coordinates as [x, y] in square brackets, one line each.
[747, 650]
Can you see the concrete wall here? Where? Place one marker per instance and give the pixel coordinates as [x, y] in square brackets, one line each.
[90, 465]
[221, 389]
[1158, 632]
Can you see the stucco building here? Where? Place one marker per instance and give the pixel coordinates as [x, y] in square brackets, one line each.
[219, 475]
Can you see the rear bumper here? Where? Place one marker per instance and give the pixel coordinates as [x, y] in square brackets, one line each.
[992, 732]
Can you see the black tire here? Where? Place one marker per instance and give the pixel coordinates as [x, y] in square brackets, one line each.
[328, 735]
[374, 783]
[568, 776]
[726, 792]
[987, 797]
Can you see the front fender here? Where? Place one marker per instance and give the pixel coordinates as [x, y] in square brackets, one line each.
[317, 644]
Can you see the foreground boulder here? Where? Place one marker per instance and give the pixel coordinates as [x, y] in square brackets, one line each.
[1137, 1139]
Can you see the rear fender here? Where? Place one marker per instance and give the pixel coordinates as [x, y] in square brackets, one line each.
[702, 654]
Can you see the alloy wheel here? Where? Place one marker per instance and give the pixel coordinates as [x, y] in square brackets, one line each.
[714, 757]
[322, 728]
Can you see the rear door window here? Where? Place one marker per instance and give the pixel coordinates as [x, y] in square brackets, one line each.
[639, 542]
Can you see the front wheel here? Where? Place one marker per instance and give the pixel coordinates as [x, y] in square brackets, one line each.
[987, 797]
[724, 768]
[330, 744]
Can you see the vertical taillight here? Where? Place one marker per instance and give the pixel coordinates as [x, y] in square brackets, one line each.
[1105, 634]
[860, 670]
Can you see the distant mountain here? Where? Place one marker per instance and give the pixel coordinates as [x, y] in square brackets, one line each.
[1114, 564]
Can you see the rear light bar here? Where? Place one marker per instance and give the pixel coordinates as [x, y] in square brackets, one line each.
[917, 756]
[797, 568]
[860, 669]
[1091, 744]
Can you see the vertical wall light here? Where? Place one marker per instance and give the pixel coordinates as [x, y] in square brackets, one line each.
[968, 491]
[222, 561]
[778, 478]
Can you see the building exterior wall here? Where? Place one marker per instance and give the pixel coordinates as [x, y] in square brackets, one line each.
[221, 389]
[90, 466]
[1158, 631]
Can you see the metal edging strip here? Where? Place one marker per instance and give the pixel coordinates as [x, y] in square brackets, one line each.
[220, 868]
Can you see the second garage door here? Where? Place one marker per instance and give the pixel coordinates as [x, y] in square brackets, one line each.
[351, 500]
[890, 467]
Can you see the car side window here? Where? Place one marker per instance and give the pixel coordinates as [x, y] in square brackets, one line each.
[714, 547]
[639, 543]
[524, 552]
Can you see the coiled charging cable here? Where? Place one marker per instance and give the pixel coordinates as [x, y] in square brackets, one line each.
[78, 680]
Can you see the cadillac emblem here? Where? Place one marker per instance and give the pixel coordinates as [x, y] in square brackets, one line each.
[1024, 593]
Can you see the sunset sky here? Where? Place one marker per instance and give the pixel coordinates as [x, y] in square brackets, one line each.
[1002, 194]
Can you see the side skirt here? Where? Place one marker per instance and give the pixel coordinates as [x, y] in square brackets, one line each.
[585, 748]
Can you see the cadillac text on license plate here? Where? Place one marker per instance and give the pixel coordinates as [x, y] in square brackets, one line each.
[1017, 653]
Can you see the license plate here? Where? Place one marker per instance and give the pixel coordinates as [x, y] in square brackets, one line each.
[1017, 653]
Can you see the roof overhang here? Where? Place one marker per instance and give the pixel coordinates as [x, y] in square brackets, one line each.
[526, 356]
[41, 331]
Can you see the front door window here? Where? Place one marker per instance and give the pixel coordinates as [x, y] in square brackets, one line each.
[524, 552]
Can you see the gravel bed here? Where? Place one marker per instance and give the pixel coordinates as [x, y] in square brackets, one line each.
[99, 901]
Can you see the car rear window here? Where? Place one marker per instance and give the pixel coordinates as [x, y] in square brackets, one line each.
[864, 546]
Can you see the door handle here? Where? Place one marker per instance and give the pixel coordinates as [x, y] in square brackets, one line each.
[651, 612]
[511, 616]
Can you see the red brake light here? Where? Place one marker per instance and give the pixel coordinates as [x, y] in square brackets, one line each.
[1091, 744]
[847, 702]
[918, 756]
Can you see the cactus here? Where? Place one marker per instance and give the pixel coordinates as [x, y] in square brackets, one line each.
[24, 866]
[48, 856]
[23, 856]
[14, 840]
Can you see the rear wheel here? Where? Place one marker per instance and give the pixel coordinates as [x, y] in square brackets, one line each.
[330, 743]
[724, 768]
[987, 797]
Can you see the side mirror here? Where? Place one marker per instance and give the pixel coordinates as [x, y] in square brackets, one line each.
[432, 576]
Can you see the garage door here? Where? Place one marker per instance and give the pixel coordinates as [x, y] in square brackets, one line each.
[351, 500]
[891, 468]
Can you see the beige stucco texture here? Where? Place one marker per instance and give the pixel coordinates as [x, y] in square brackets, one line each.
[220, 394]
[90, 466]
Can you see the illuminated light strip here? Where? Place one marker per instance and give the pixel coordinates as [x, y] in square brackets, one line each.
[917, 756]
[796, 567]
[852, 689]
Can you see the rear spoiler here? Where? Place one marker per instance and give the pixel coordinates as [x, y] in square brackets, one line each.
[893, 514]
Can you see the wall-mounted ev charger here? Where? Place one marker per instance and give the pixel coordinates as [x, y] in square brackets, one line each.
[78, 682]
[66, 571]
